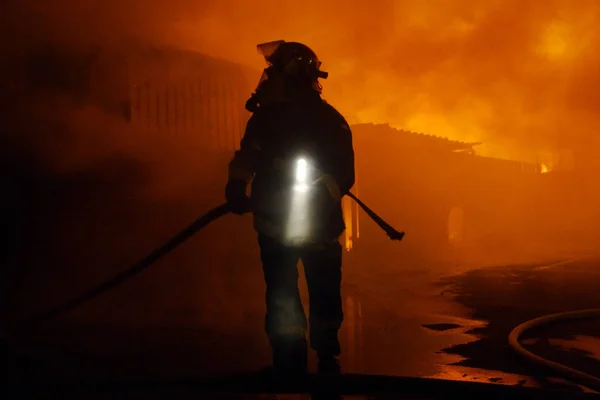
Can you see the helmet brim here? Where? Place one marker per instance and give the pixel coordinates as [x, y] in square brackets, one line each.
[268, 49]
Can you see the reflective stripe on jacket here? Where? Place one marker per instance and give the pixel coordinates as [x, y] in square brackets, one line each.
[279, 134]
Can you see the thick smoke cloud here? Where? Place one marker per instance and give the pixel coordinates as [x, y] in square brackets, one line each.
[516, 75]
[519, 76]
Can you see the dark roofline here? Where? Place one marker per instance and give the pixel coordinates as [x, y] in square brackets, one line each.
[438, 140]
[135, 44]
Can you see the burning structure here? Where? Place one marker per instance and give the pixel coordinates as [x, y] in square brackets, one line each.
[184, 114]
[440, 191]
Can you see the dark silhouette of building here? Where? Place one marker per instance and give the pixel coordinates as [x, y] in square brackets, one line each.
[448, 199]
[438, 190]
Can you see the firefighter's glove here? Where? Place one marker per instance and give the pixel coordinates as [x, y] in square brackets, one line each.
[331, 186]
[237, 199]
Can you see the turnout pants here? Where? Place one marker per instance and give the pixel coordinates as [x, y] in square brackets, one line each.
[285, 321]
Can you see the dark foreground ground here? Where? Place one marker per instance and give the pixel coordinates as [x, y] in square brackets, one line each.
[427, 338]
[200, 311]
[507, 296]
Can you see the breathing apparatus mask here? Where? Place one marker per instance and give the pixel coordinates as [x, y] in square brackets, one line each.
[291, 68]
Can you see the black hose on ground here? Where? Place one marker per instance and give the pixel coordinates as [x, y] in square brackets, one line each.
[127, 274]
[586, 380]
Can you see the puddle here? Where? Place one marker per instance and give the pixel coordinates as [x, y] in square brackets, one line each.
[588, 344]
[468, 374]
[441, 327]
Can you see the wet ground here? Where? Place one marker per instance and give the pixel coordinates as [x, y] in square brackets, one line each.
[510, 295]
[200, 311]
[455, 328]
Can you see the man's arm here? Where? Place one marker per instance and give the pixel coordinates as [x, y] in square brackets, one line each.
[345, 174]
[242, 168]
[243, 164]
[340, 175]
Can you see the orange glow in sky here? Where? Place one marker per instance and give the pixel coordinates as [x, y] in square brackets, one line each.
[519, 76]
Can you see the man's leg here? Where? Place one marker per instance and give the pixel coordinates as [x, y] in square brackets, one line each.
[323, 269]
[285, 321]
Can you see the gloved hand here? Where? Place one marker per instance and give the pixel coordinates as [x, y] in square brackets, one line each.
[235, 193]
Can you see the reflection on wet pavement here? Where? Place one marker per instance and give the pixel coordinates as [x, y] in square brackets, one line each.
[588, 345]
[458, 373]
[402, 318]
[397, 306]
[458, 329]
[508, 296]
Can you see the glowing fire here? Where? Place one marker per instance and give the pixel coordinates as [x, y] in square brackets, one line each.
[454, 70]
[544, 168]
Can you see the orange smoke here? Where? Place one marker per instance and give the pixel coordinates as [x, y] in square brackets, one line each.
[518, 76]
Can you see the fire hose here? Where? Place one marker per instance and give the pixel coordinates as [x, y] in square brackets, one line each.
[157, 254]
[135, 269]
[392, 233]
[587, 380]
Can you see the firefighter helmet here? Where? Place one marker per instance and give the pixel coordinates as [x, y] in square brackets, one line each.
[293, 59]
[291, 66]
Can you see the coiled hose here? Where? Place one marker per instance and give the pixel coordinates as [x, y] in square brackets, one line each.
[587, 380]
